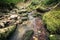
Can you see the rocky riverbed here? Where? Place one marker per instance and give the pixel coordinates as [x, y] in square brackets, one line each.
[24, 21]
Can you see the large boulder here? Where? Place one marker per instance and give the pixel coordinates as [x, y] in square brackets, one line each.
[52, 21]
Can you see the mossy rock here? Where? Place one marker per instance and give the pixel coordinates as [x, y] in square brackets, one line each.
[54, 37]
[36, 15]
[5, 32]
[52, 21]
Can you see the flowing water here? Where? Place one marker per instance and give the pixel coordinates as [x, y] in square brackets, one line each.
[22, 28]
[31, 24]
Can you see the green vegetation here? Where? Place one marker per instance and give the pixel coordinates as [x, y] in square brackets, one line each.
[49, 2]
[52, 20]
[52, 37]
[37, 8]
[28, 35]
[34, 4]
[5, 32]
[10, 1]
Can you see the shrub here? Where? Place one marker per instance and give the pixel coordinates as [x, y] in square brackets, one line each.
[52, 21]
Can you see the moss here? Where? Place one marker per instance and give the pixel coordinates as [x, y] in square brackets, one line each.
[5, 32]
[34, 5]
[36, 15]
[52, 19]
[52, 37]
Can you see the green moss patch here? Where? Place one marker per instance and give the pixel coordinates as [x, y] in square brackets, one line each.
[54, 37]
[52, 20]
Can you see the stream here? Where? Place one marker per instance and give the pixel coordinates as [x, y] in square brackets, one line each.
[22, 28]
[31, 24]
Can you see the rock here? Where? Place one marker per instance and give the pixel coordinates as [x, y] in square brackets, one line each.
[1, 25]
[13, 17]
[24, 18]
[22, 11]
[24, 15]
[18, 22]
[41, 10]
[1, 17]
[16, 10]
[7, 23]
[5, 32]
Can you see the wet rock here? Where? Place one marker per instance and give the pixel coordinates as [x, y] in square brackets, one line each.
[24, 15]
[22, 11]
[36, 15]
[7, 23]
[15, 10]
[18, 22]
[13, 17]
[2, 25]
[42, 10]
[1, 17]
[24, 18]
